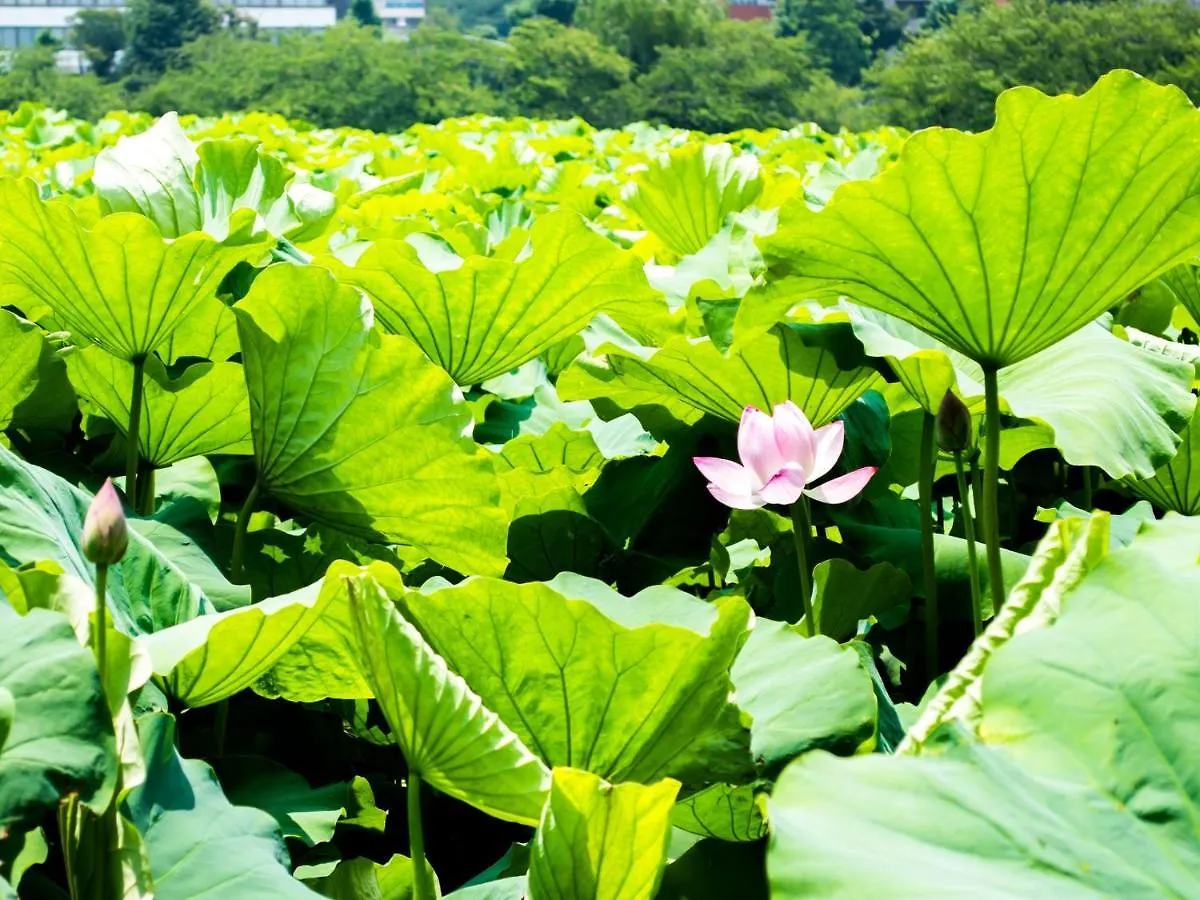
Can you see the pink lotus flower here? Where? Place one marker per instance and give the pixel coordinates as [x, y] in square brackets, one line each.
[781, 455]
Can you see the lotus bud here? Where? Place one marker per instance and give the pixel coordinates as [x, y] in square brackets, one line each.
[105, 536]
[953, 427]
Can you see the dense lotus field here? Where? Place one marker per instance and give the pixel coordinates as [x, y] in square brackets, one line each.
[513, 509]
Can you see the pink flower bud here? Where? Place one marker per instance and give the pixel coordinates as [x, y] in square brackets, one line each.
[105, 536]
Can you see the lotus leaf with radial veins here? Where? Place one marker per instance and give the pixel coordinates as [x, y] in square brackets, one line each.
[1002, 243]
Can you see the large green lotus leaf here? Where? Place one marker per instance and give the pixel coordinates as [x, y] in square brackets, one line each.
[1172, 487]
[59, 736]
[447, 734]
[206, 410]
[815, 366]
[722, 811]
[1004, 242]
[120, 285]
[633, 689]
[802, 694]
[213, 657]
[1110, 404]
[1081, 780]
[843, 595]
[33, 389]
[358, 430]
[684, 197]
[364, 879]
[219, 187]
[600, 841]
[1183, 282]
[482, 316]
[41, 518]
[199, 845]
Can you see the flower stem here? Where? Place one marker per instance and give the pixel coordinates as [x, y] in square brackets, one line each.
[422, 883]
[972, 558]
[237, 566]
[991, 487]
[132, 433]
[101, 646]
[801, 531]
[925, 496]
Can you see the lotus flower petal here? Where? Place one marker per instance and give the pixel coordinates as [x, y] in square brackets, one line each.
[843, 488]
[736, 501]
[785, 488]
[794, 435]
[828, 442]
[756, 445]
[726, 474]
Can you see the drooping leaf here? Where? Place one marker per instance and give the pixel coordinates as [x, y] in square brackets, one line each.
[1002, 243]
[303, 812]
[1091, 798]
[220, 186]
[1110, 404]
[802, 694]
[58, 735]
[213, 657]
[119, 285]
[684, 197]
[204, 411]
[632, 689]
[722, 811]
[843, 595]
[364, 879]
[1184, 283]
[816, 367]
[357, 429]
[480, 317]
[41, 518]
[1176, 486]
[599, 841]
[30, 376]
[199, 845]
[446, 733]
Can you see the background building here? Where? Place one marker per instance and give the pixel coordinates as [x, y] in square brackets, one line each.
[22, 21]
[400, 15]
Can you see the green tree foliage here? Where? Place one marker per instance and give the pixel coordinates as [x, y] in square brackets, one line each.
[951, 76]
[100, 34]
[363, 11]
[33, 75]
[157, 29]
[641, 29]
[739, 77]
[834, 32]
[559, 72]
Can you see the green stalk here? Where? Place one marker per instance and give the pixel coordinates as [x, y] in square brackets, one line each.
[422, 883]
[925, 491]
[135, 426]
[801, 531]
[144, 505]
[102, 624]
[1087, 488]
[972, 558]
[991, 487]
[237, 566]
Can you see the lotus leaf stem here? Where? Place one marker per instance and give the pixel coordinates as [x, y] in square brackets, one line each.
[101, 647]
[801, 532]
[972, 557]
[925, 498]
[237, 557]
[132, 434]
[1087, 488]
[422, 884]
[991, 486]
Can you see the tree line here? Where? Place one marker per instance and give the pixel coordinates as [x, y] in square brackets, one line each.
[853, 63]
